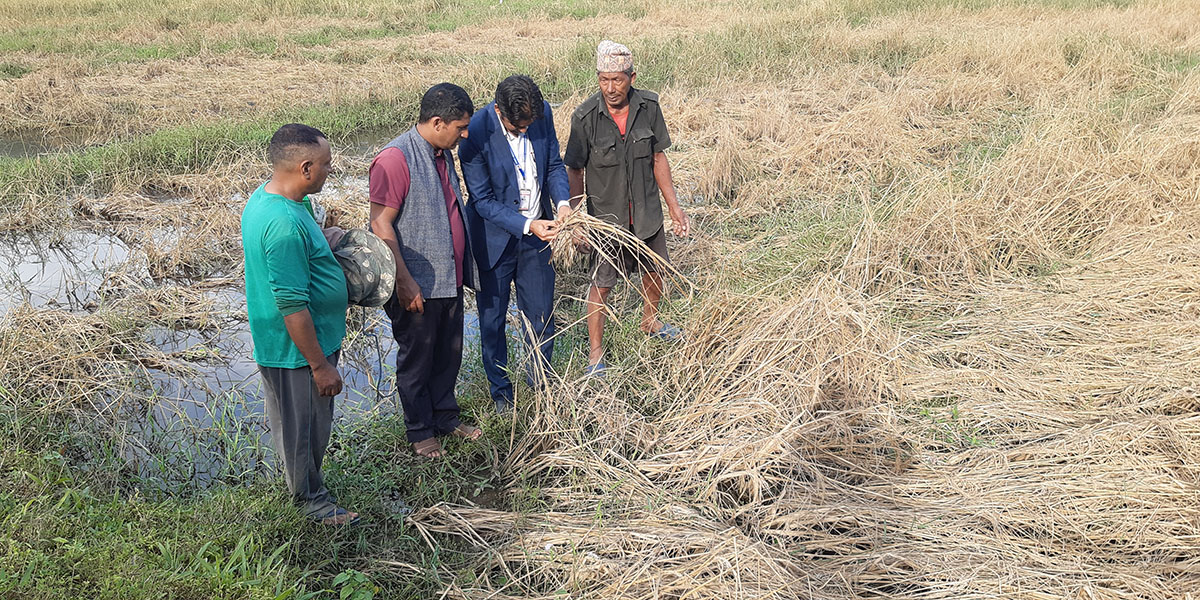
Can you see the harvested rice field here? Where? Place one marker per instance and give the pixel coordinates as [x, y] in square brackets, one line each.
[942, 307]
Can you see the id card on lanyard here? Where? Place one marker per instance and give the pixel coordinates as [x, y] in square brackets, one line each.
[525, 183]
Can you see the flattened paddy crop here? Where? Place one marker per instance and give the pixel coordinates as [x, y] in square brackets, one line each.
[943, 336]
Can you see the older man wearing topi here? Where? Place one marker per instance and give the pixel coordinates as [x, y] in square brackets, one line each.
[615, 150]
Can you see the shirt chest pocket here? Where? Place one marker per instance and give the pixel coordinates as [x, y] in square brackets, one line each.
[604, 154]
[643, 142]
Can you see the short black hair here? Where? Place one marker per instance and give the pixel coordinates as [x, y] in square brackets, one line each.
[519, 99]
[288, 138]
[447, 101]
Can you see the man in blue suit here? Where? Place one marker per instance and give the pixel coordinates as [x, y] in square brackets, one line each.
[518, 192]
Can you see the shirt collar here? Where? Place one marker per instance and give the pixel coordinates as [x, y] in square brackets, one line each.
[507, 134]
[635, 100]
[436, 152]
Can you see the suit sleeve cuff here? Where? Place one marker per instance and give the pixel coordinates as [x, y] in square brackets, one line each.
[528, 222]
[562, 203]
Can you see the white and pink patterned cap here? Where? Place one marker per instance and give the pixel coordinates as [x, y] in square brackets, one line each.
[612, 57]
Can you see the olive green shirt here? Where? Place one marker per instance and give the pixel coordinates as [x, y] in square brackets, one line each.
[619, 170]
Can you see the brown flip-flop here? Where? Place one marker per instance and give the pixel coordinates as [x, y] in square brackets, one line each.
[467, 432]
[428, 448]
[337, 517]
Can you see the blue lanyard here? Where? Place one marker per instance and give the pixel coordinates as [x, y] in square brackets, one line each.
[525, 144]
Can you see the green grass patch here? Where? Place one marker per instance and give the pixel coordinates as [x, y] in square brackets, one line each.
[142, 163]
[892, 55]
[10, 70]
[789, 243]
[862, 12]
[1171, 62]
[97, 51]
[77, 525]
[75, 543]
[89, 47]
[989, 142]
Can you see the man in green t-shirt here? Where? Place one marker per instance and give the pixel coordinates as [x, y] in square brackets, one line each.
[296, 302]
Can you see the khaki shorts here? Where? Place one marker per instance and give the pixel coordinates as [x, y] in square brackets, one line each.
[625, 262]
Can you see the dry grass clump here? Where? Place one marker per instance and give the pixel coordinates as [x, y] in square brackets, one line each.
[671, 552]
[607, 242]
[988, 392]
[1070, 188]
[198, 236]
[171, 306]
[1015, 441]
[72, 362]
[1115, 338]
[829, 136]
[179, 239]
[746, 414]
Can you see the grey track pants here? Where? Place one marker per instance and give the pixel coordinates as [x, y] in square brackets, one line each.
[300, 420]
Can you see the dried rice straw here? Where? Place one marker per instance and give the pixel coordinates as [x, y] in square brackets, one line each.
[608, 241]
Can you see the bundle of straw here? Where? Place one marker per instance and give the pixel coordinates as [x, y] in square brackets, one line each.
[581, 233]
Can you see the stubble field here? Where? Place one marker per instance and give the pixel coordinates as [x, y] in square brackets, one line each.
[944, 340]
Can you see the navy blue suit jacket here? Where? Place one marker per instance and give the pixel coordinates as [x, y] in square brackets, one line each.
[493, 213]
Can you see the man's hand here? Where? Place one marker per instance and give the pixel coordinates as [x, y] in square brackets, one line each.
[564, 211]
[580, 241]
[327, 378]
[680, 223]
[408, 293]
[544, 229]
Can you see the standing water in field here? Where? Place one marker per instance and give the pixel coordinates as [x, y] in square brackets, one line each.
[28, 144]
[63, 271]
[194, 414]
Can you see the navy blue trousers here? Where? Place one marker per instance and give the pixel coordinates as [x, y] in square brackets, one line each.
[428, 356]
[525, 263]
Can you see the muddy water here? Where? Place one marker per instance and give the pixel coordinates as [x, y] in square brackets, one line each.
[212, 426]
[370, 141]
[28, 144]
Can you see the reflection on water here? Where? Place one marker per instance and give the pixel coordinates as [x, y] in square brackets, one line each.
[65, 271]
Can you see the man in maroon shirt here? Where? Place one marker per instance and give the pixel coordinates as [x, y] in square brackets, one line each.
[416, 209]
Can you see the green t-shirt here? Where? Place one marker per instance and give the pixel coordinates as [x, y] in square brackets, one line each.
[289, 267]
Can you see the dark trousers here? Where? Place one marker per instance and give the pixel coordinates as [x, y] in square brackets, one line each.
[525, 262]
[300, 421]
[428, 356]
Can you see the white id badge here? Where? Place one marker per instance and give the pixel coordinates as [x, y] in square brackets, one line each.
[526, 194]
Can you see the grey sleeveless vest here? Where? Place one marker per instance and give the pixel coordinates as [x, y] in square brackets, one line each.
[423, 225]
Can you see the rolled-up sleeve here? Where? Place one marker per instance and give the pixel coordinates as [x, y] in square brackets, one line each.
[662, 139]
[576, 154]
[286, 252]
